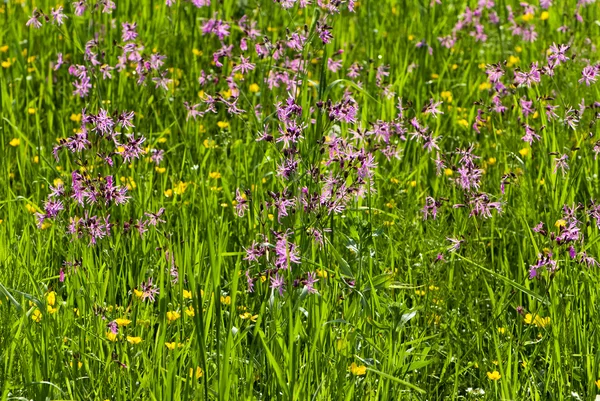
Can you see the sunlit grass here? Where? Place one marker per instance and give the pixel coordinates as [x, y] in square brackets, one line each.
[397, 315]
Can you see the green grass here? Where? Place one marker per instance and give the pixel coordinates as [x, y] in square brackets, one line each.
[423, 329]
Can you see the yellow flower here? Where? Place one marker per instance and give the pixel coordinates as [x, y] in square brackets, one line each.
[542, 321]
[122, 322]
[495, 376]
[492, 161]
[51, 298]
[214, 175]
[36, 316]
[4, 49]
[111, 336]
[57, 182]
[75, 117]
[160, 170]
[527, 17]
[169, 193]
[15, 142]
[190, 311]
[199, 372]
[501, 330]
[321, 273]
[560, 223]
[435, 76]
[524, 152]
[463, 122]
[485, 86]
[545, 15]
[254, 88]
[31, 110]
[248, 315]
[170, 346]
[173, 315]
[446, 95]
[537, 320]
[209, 143]
[512, 61]
[187, 294]
[134, 340]
[138, 293]
[30, 208]
[420, 292]
[448, 172]
[131, 184]
[357, 370]
[226, 300]
[223, 124]
[197, 52]
[6, 64]
[180, 188]
[597, 383]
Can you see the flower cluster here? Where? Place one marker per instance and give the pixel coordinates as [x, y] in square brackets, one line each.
[96, 144]
[100, 59]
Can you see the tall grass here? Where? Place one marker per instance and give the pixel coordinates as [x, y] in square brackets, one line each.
[396, 314]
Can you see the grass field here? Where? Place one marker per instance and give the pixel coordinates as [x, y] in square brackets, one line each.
[299, 200]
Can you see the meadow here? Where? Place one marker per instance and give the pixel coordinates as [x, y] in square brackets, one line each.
[299, 200]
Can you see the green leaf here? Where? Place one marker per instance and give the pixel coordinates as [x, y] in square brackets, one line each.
[274, 365]
[395, 379]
